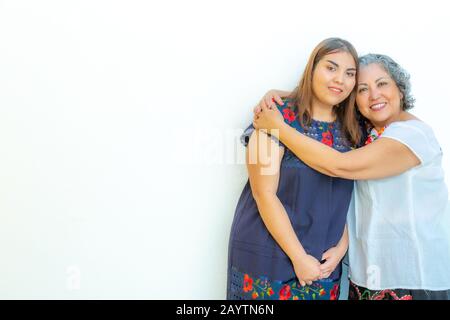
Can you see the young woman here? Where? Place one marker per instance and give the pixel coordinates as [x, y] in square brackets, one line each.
[290, 218]
[399, 218]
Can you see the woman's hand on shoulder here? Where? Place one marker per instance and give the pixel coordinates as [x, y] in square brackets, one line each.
[270, 98]
[268, 119]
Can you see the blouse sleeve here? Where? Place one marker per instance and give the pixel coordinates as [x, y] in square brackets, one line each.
[417, 136]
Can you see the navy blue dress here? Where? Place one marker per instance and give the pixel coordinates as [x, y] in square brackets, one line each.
[317, 207]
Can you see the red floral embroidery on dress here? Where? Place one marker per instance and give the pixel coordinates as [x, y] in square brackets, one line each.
[288, 114]
[373, 135]
[334, 292]
[262, 288]
[248, 283]
[285, 293]
[327, 138]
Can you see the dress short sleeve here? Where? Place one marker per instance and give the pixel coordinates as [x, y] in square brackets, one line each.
[417, 136]
[245, 137]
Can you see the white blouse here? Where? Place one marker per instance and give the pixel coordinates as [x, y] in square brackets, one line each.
[399, 227]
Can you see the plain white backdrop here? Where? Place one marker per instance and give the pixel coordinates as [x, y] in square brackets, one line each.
[119, 165]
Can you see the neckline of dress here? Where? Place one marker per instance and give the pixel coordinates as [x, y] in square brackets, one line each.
[322, 122]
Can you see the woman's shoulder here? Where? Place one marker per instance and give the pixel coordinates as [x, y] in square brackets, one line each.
[412, 123]
[416, 134]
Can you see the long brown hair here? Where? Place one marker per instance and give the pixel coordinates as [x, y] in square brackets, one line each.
[302, 95]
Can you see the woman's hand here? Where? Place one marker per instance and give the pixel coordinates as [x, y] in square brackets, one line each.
[333, 257]
[268, 119]
[269, 100]
[307, 269]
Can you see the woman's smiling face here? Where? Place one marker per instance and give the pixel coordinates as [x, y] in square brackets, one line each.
[334, 78]
[378, 96]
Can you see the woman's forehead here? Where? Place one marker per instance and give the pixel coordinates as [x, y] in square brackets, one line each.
[372, 70]
[341, 57]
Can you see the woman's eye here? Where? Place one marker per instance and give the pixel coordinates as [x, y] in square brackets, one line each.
[331, 68]
[380, 84]
[361, 90]
[351, 74]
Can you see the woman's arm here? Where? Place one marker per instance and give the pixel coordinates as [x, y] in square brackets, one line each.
[383, 158]
[343, 243]
[264, 184]
[334, 255]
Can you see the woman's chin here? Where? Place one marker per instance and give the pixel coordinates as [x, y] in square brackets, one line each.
[377, 121]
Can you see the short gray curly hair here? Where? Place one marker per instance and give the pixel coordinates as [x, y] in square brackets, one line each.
[397, 73]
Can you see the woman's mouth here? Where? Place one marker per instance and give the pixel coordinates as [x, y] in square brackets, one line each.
[378, 106]
[335, 90]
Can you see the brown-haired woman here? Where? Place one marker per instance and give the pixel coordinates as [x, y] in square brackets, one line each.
[290, 219]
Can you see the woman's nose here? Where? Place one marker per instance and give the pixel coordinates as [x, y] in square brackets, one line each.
[374, 94]
[339, 78]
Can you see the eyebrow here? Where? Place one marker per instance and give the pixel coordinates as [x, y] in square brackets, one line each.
[365, 84]
[337, 66]
[380, 79]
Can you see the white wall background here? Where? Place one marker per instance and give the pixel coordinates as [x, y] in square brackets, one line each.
[118, 178]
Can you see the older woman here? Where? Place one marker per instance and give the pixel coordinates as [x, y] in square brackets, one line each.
[399, 218]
